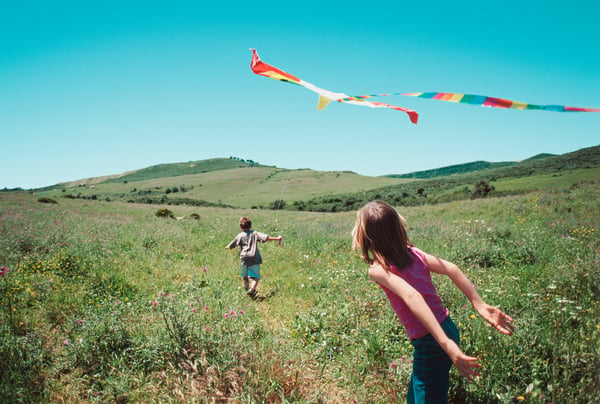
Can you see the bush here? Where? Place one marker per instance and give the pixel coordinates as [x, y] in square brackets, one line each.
[45, 199]
[166, 213]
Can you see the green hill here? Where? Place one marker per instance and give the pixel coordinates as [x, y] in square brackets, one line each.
[561, 171]
[217, 182]
[179, 169]
[464, 168]
[235, 182]
[451, 170]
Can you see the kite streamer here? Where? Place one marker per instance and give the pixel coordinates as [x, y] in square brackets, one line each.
[326, 96]
[493, 102]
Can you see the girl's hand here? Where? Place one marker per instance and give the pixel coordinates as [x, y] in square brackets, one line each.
[466, 365]
[497, 318]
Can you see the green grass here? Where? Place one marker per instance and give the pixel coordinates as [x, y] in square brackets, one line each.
[107, 302]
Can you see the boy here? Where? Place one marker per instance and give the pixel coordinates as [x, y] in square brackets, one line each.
[250, 257]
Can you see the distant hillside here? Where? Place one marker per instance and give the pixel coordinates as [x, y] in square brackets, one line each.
[564, 171]
[238, 183]
[217, 182]
[463, 168]
[451, 170]
[179, 169]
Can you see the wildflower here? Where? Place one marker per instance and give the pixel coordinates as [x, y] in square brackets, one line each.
[194, 310]
[80, 321]
[66, 342]
[4, 270]
[155, 303]
[206, 307]
[393, 365]
[205, 269]
[207, 328]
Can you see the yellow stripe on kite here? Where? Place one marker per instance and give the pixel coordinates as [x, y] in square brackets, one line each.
[455, 98]
[518, 105]
[281, 77]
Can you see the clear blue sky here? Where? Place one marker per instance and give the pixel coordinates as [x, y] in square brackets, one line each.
[98, 88]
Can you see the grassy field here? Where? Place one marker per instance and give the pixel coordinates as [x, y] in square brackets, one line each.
[105, 302]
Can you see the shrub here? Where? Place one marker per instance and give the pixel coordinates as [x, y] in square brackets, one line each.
[45, 199]
[166, 213]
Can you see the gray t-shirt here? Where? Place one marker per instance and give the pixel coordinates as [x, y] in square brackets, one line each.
[247, 241]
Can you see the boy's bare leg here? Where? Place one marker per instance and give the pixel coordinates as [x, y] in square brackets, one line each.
[246, 283]
[253, 286]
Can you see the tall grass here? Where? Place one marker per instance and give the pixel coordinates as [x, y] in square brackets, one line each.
[107, 302]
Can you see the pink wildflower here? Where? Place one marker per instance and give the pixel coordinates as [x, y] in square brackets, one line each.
[80, 321]
[155, 303]
[4, 270]
[205, 269]
[393, 365]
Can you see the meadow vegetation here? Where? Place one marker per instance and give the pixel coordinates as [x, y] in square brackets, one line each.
[109, 302]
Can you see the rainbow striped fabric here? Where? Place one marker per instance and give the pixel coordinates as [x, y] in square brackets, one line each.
[493, 102]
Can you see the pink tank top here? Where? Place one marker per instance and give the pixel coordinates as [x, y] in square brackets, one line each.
[419, 277]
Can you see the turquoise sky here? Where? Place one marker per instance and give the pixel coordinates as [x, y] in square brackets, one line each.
[98, 88]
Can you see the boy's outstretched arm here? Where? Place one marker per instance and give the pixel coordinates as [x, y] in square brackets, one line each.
[278, 238]
[493, 315]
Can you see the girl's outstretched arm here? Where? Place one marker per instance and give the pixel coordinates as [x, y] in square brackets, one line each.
[467, 365]
[493, 315]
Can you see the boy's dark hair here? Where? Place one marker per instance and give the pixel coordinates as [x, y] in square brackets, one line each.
[245, 223]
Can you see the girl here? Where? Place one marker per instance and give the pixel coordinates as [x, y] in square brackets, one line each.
[403, 272]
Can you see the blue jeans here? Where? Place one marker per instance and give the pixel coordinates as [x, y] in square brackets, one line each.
[431, 368]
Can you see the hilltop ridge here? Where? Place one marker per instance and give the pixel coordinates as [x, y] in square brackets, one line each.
[234, 182]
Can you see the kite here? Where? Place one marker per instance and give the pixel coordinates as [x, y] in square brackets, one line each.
[326, 96]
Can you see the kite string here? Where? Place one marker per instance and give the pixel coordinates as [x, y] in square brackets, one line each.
[280, 201]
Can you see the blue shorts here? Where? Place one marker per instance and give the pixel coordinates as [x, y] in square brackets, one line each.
[252, 271]
[430, 379]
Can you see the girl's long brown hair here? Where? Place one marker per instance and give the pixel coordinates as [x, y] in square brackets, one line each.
[380, 233]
